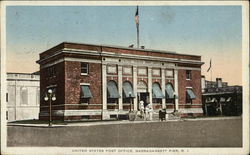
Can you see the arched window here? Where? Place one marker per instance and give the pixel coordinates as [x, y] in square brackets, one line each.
[128, 92]
[157, 93]
[112, 93]
[169, 93]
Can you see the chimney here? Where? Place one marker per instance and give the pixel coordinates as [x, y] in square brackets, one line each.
[218, 82]
[203, 83]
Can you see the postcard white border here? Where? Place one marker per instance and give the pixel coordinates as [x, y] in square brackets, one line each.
[68, 150]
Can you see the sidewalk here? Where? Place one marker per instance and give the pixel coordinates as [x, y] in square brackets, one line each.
[97, 123]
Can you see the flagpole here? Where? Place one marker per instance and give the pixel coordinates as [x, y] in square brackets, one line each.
[211, 74]
[138, 43]
[211, 70]
[137, 25]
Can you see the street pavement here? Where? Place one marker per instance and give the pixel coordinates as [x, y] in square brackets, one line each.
[211, 132]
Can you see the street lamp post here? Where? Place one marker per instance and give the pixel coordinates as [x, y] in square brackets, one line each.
[130, 101]
[51, 97]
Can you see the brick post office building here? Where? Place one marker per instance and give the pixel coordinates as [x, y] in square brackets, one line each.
[104, 82]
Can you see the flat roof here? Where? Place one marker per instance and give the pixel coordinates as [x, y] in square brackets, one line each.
[127, 48]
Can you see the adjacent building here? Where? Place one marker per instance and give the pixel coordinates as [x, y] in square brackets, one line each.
[220, 99]
[23, 96]
[105, 82]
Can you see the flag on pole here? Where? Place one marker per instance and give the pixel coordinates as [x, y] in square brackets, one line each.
[137, 25]
[137, 17]
[210, 65]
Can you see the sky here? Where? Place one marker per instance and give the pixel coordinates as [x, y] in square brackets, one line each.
[214, 32]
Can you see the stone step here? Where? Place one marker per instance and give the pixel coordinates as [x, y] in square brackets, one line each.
[173, 116]
[169, 116]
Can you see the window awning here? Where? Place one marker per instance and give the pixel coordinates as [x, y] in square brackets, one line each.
[209, 100]
[157, 93]
[85, 92]
[112, 90]
[169, 91]
[190, 94]
[222, 99]
[214, 100]
[229, 99]
[128, 90]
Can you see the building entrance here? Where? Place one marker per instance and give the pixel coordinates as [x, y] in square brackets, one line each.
[144, 97]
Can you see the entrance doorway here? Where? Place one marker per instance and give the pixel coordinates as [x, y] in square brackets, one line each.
[142, 94]
[144, 97]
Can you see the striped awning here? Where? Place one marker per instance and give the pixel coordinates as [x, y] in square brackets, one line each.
[85, 92]
[112, 90]
[190, 94]
[169, 91]
[157, 93]
[128, 90]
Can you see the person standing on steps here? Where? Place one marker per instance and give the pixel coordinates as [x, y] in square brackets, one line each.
[142, 109]
[150, 111]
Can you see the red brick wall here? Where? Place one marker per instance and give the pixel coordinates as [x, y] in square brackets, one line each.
[195, 83]
[73, 78]
[58, 80]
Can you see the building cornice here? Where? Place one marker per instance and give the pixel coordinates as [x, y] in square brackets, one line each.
[128, 48]
[121, 55]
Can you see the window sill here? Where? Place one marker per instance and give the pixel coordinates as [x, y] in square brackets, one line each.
[84, 103]
[84, 74]
[188, 79]
[112, 104]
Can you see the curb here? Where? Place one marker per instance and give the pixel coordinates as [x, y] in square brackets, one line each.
[118, 122]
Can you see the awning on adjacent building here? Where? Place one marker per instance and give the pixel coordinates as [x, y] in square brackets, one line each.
[229, 99]
[222, 99]
[157, 93]
[169, 91]
[112, 90]
[85, 92]
[128, 90]
[214, 100]
[190, 94]
[211, 100]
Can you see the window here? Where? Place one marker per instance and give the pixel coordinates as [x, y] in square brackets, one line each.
[157, 93]
[157, 100]
[189, 96]
[51, 72]
[112, 100]
[24, 96]
[85, 100]
[188, 74]
[7, 97]
[84, 68]
[85, 94]
[128, 92]
[170, 96]
[112, 93]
